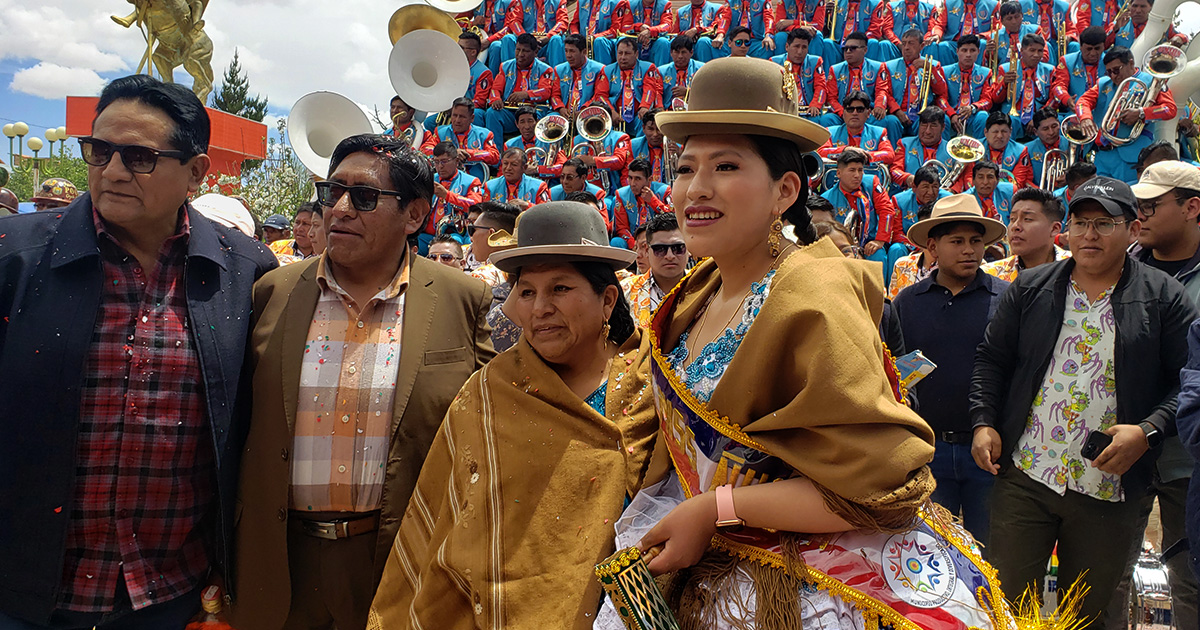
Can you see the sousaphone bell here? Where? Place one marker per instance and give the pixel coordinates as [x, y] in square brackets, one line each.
[428, 70]
[318, 122]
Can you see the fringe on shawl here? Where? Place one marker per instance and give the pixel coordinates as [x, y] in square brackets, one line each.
[892, 513]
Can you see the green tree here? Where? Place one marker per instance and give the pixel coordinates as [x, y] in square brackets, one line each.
[61, 165]
[234, 94]
[279, 184]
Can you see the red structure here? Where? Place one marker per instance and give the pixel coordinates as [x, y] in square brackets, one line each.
[234, 139]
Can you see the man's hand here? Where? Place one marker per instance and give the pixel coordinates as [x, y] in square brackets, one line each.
[879, 113]
[642, 112]
[1131, 116]
[769, 43]
[814, 111]
[928, 39]
[718, 42]
[872, 247]
[985, 449]
[531, 170]
[1188, 127]
[691, 32]
[464, 156]
[1010, 77]
[1123, 20]
[1128, 445]
[678, 92]
[518, 97]
[497, 104]
[1088, 127]
[644, 37]
[590, 160]
[521, 204]
[440, 191]
[902, 116]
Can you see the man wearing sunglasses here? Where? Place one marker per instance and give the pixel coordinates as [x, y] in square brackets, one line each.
[855, 132]
[740, 42]
[857, 74]
[446, 251]
[125, 320]
[358, 354]
[1087, 349]
[668, 264]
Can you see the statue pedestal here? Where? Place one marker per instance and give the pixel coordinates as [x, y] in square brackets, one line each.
[233, 139]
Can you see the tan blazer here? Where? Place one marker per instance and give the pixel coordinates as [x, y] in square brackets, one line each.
[445, 339]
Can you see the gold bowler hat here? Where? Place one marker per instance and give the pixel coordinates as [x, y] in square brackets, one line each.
[742, 95]
[956, 208]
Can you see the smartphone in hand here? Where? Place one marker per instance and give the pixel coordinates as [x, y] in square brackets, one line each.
[1095, 444]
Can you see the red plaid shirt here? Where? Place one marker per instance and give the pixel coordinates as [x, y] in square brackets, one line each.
[144, 481]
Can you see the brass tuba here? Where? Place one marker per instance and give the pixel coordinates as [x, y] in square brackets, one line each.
[963, 150]
[1161, 63]
[551, 130]
[594, 124]
[1054, 168]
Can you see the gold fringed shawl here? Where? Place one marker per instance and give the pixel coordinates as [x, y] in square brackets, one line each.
[808, 385]
[516, 502]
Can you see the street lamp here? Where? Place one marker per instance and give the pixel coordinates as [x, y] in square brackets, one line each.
[10, 132]
[62, 142]
[19, 130]
[51, 135]
[35, 145]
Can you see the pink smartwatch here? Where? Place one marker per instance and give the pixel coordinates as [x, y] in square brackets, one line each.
[727, 518]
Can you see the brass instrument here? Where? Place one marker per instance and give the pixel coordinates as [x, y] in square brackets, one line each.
[465, 24]
[926, 82]
[1012, 89]
[1121, 11]
[1193, 141]
[1161, 63]
[963, 150]
[994, 55]
[415, 17]
[1007, 176]
[670, 161]
[594, 124]
[551, 130]
[1072, 130]
[536, 156]
[678, 104]
[410, 135]
[936, 164]
[831, 15]
[1054, 168]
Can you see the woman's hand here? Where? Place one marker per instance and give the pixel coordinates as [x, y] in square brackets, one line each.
[685, 534]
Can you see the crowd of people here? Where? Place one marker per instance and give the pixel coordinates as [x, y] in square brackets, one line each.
[432, 397]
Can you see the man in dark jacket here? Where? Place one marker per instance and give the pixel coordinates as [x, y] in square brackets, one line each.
[125, 318]
[1086, 350]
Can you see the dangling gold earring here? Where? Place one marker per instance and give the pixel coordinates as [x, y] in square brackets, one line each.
[775, 237]
[604, 330]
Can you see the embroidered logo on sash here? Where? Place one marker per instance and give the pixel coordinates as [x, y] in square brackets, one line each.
[919, 569]
[1009, 160]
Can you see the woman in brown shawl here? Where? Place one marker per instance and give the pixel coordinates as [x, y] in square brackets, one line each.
[789, 487]
[539, 452]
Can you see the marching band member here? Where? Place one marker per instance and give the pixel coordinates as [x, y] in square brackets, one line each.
[547, 21]
[601, 22]
[859, 193]
[649, 147]
[574, 179]
[809, 73]
[967, 85]
[913, 153]
[580, 80]
[1047, 136]
[757, 16]
[526, 124]
[903, 80]
[993, 195]
[871, 18]
[513, 186]
[1051, 16]
[507, 16]
[633, 205]
[1118, 161]
[479, 90]
[855, 132]
[701, 20]
[927, 18]
[1095, 13]
[608, 164]
[635, 87]
[401, 115]
[651, 21]
[793, 14]
[1005, 152]
[739, 41]
[454, 192]
[856, 73]
[677, 74]
[476, 145]
[521, 81]
[1011, 32]
[1125, 29]
[926, 189]
[1032, 79]
[1078, 71]
[963, 18]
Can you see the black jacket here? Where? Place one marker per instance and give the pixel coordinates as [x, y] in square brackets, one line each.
[1152, 317]
[50, 286]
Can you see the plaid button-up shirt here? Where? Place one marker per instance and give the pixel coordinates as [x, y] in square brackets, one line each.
[144, 481]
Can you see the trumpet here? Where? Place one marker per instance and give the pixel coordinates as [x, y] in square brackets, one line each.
[1072, 130]
[1012, 89]
[1122, 11]
[1161, 63]
[926, 82]
[1054, 168]
[831, 14]
[594, 124]
[994, 54]
[551, 130]
[963, 150]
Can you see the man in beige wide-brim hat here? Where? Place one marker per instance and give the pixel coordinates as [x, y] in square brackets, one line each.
[956, 208]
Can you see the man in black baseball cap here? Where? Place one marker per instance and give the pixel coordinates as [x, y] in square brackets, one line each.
[276, 228]
[1081, 351]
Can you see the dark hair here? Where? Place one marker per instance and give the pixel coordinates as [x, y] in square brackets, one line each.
[192, 130]
[1042, 115]
[817, 202]
[639, 231]
[463, 101]
[1080, 172]
[471, 36]
[853, 155]
[445, 147]
[309, 207]
[396, 98]
[782, 157]
[525, 110]
[912, 32]
[799, 33]
[856, 35]
[577, 40]
[968, 39]
[1052, 208]
[581, 169]
[1092, 36]
[1032, 39]
[639, 165]
[515, 151]
[529, 41]
[932, 114]
[502, 214]
[926, 174]
[984, 165]
[856, 95]
[661, 222]
[682, 42]
[1009, 7]
[446, 238]
[648, 117]
[738, 30]
[942, 229]
[601, 276]
[632, 42]
[582, 196]
[409, 171]
[1160, 146]
[821, 229]
[1118, 53]
[1183, 194]
[998, 118]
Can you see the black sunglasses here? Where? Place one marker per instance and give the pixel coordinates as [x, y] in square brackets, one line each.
[661, 249]
[442, 257]
[364, 198]
[850, 48]
[137, 159]
[471, 228]
[854, 109]
[741, 42]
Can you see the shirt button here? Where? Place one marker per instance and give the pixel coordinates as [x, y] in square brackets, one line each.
[341, 469]
[284, 454]
[345, 418]
[352, 369]
[282, 514]
[360, 324]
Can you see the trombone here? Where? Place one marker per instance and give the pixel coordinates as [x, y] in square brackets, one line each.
[593, 124]
[551, 130]
[1054, 168]
[1161, 63]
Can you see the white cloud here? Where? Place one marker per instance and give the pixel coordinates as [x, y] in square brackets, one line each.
[52, 81]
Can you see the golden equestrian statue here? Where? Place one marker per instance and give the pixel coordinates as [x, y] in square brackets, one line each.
[174, 32]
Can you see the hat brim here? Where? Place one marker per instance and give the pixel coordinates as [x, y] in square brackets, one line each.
[681, 125]
[1150, 191]
[1113, 207]
[994, 230]
[509, 261]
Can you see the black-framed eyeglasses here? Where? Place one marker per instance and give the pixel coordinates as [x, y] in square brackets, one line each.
[855, 109]
[363, 198]
[741, 42]
[442, 257]
[136, 158]
[661, 249]
[1105, 226]
[1148, 208]
[471, 229]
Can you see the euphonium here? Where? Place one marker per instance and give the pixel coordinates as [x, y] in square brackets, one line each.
[551, 130]
[1054, 168]
[935, 164]
[1161, 63]
[593, 123]
[963, 150]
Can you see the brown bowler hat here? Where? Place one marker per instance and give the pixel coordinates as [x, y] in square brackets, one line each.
[557, 232]
[962, 207]
[742, 95]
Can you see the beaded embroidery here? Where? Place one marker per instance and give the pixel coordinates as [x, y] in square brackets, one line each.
[596, 399]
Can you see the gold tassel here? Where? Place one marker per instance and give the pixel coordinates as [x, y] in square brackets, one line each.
[1029, 616]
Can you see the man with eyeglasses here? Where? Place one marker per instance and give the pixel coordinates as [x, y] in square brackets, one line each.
[668, 264]
[636, 203]
[758, 20]
[125, 323]
[740, 42]
[476, 145]
[454, 192]
[574, 178]
[857, 74]
[1084, 350]
[494, 219]
[357, 353]
[513, 186]
[447, 251]
[606, 158]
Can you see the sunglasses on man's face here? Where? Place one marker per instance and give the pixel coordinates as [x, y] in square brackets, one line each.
[855, 109]
[136, 158]
[363, 198]
[471, 229]
[850, 48]
[442, 257]
[661, 249]
[741, 42]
